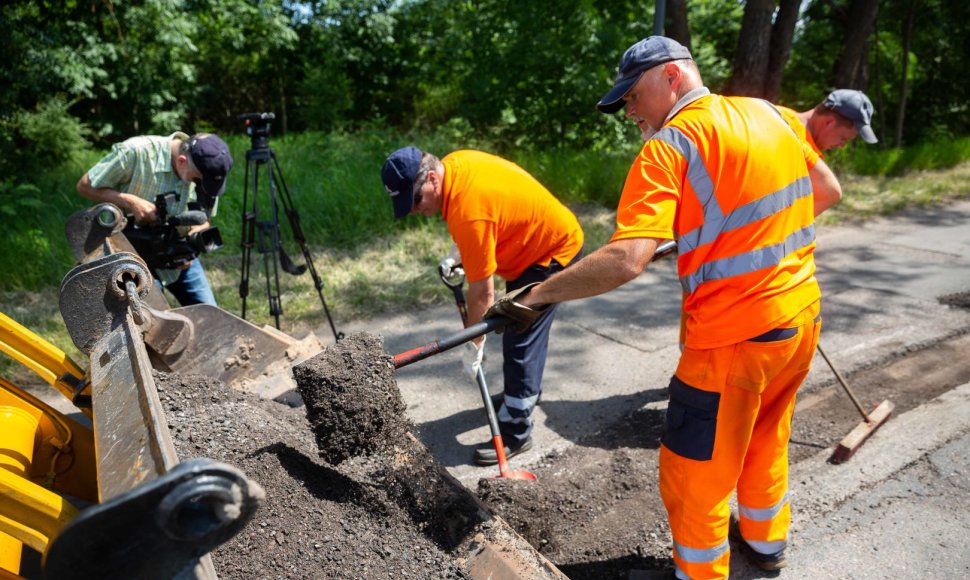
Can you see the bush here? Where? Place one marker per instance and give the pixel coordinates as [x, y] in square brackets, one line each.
[47, 137]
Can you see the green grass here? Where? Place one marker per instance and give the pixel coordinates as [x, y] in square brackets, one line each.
[862, 159]
[865, 197]
[369, 263]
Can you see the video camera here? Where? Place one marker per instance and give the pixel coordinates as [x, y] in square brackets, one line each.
[166, 244]
[257, 127]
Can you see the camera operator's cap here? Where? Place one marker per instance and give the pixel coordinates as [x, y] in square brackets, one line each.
[855, 106]
[211, 157]
[398, 175]
[641, 57]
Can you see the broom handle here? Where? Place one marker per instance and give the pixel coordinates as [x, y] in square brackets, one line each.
[845, 386]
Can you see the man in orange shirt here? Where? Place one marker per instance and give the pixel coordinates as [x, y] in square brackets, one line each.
[729, 181]
[844, 115]
[504, 222]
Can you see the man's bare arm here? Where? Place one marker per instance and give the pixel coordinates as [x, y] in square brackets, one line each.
[142, 209]
[607, 268]
[481, 294]
[825, 187]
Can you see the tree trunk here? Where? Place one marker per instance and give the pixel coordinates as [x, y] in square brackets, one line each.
[751, 56]
[850, 69]
[676, 26]
[904, 81]
[877, 99]
[781, 40]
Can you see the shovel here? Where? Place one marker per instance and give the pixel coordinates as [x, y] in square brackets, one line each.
[454, 281]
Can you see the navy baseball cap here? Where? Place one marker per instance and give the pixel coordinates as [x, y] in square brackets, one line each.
[211, 157]
[642, 56]
[398, 175]
[855, 106]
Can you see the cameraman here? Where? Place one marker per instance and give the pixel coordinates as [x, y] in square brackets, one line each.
[141, 168]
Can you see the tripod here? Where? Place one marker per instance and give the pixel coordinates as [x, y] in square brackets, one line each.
[269, 240]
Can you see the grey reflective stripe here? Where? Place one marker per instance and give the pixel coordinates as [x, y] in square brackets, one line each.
[768, 205]
[701, 555]
[768, 548]
[715, 221]
[763, 514]
[504, 417]
[526, 404]
[702, 184]
[749, 261]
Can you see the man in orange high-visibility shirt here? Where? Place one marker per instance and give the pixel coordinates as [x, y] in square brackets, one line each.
[729, 180]
[844, 115]
[504, 222]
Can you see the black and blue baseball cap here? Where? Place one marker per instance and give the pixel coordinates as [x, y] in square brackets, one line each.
[398, 175]
[211, 157]
[641, 57]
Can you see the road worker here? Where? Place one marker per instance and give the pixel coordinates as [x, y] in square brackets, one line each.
[505, 223]
[726, 178]
[844, 115]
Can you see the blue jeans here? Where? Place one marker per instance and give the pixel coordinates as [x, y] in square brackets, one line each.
[192, 287]
[524, 361]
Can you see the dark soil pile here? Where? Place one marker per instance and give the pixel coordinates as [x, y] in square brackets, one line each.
[316, 522]
[595, 510]
[355, 409]
[352, 400]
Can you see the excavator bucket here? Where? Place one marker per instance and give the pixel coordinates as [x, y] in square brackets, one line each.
[199, 339]
[114, 488]
[239, 353]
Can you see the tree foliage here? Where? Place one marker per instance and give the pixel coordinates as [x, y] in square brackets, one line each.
[523, 74]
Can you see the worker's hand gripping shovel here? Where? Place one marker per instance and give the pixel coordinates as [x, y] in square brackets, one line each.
[454, 278]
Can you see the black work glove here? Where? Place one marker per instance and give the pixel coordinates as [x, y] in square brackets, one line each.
[522, 316]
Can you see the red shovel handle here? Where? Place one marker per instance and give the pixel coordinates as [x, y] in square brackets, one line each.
[449, 342]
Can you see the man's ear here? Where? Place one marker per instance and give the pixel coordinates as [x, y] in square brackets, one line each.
[673, 75]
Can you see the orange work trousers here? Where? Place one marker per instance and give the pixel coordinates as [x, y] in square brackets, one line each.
[727, 428]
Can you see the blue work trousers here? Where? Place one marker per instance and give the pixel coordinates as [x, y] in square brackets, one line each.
[524, 359]
[192, 286]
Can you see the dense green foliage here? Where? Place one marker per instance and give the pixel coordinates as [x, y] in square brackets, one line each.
[350, 81]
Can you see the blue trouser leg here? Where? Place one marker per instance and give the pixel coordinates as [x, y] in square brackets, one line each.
[524, 361]
[192, 286]
[524, 357]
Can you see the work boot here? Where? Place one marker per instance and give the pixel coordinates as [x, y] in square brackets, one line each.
[767, 562]
[487, 455]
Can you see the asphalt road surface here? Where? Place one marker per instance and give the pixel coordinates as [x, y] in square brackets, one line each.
[898, 509]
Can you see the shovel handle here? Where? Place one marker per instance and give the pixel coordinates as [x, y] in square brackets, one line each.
[664, 248]
[449, 342]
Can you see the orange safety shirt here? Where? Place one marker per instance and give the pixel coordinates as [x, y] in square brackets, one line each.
[502, 219]
[801, 131]
[727, 178]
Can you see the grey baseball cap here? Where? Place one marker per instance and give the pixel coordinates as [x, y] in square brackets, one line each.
[642, 56]
[857, 107]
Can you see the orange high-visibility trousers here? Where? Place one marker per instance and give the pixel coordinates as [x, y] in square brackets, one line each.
[727, 428]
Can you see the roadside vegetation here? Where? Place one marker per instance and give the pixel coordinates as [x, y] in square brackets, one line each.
[351, 81]
[371, 264]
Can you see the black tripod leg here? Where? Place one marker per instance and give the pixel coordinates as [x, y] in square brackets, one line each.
[248, 235]
[269, 237]
[297, 231]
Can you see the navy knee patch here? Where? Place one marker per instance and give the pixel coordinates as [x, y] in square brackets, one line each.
[691, 421]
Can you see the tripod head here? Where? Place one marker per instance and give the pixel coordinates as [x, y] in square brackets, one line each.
[257, 127]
